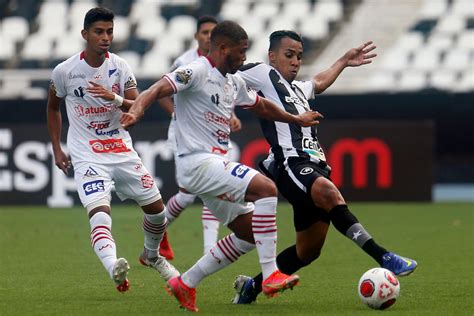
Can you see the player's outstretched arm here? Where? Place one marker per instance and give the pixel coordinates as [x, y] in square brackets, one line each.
[54, 129]
[270, 111]
[354, 57]
[159, 89]
[167, 104]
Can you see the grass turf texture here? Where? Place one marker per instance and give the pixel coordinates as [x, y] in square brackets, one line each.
[48, 267]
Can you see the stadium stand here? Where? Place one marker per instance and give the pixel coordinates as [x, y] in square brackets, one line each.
[423, 44]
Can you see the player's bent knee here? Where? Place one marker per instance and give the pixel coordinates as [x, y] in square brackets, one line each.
[325, 194]
[155, 207]
[96, 207]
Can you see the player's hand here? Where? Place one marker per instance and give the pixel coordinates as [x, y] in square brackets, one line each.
[361, 55]
[127, 120]
[98, 91]
[235, 124]
[62, 161]
[309, 118]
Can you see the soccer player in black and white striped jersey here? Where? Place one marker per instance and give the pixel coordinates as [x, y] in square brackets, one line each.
[298, 165]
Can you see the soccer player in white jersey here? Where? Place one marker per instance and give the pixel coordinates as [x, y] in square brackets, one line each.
[181, 200]
[206, 92]
[298, 165]
[97, 86]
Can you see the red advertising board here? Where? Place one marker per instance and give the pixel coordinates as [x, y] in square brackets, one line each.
[370, 160]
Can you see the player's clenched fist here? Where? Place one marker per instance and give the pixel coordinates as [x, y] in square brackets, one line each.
[128, 119]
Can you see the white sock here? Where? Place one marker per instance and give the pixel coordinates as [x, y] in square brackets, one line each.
[265, 233]
[226, 251]
[178, 203]
[154, 226]
[210, 226]
[102, 240]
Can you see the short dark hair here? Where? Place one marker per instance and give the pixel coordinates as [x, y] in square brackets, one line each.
[230, 30]
[277, 36]
[97, 14]
[205, 19]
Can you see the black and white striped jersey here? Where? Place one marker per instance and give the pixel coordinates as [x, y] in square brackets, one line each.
[286, 140]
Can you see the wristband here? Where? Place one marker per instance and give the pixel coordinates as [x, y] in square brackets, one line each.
[118, 100]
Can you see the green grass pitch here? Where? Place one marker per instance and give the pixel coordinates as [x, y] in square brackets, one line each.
[47, 266]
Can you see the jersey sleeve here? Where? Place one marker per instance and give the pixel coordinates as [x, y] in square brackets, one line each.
[185, 77]
[57, 83]
[246, 97]
[254, 75]
[128, 80]
[307, 87]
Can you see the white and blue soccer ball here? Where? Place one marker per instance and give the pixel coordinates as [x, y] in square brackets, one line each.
[378, 288]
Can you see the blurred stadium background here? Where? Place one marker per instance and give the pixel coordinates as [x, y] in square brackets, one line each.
[416, 100]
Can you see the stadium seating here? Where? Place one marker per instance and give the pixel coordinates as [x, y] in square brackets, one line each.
[437, 51]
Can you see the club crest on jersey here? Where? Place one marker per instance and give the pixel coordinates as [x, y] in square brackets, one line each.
[306, 170]
[183, 76]
[116, 88]
[111, 71]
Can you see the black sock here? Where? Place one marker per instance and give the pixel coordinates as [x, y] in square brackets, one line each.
[287, 262]
[347, 224]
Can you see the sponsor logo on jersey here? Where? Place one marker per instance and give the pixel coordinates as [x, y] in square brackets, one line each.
[111, 71]
[312, 147]
[240, 171]
[94, 111]
[222, 137]
[211, 117]
[79, 92]
[297, 101]
[147, 181]
[75, 76]
[183, 76]
[99, 124]
[98, 77]
[93, 187]
[101, 146]
[306, 170]
[100, 128]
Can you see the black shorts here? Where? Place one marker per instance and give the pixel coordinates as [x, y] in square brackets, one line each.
[294, 180]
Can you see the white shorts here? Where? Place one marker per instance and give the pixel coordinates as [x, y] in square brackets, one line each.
[214, 178]
[226, 211]
[131, 180]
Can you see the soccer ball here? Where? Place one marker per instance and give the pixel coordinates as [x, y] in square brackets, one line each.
[378, 288]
